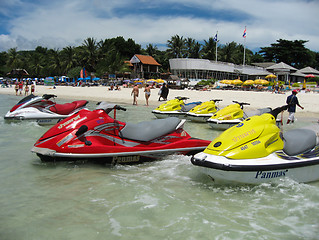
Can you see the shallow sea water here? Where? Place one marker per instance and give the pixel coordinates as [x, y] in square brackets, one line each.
[167, 199]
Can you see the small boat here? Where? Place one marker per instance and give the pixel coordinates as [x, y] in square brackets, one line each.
[174, 108]
[256, 151]
[95, 136]
[231, 115]
[204, 111]
[43, 109]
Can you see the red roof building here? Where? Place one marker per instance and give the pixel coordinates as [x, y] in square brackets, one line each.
[144, 66]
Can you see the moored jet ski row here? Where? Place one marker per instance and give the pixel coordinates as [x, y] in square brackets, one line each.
[252, 151]
[219, 119]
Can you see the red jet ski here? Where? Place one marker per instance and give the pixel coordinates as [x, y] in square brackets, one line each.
[43, 109]
[95, 136]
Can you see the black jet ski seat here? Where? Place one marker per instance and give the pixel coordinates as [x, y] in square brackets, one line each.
[149, 130]
[297, 141]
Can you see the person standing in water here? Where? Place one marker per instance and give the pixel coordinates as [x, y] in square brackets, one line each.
[292, 101]
[135, 92]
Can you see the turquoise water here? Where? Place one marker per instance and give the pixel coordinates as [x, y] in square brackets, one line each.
[168, 199]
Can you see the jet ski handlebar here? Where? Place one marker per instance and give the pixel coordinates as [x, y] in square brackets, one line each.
[117, 107]
[241, 103]
[48, 96]
[181, 98]
[108, 107]
[216, 100]
[278, 110]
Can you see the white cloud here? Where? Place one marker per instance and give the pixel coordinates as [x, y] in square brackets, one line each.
[60, 24]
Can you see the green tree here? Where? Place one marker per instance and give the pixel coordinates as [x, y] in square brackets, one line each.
[90, 54]
[293, 53]
[14, 59]
[68, 58]
[192, 48]
[176, 47]
[209, 49]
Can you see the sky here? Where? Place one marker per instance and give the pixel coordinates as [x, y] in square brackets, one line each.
[26, 24]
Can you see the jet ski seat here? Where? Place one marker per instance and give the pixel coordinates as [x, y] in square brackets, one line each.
[67, 108]
[187, 107]
[298, 141]
[149, 130]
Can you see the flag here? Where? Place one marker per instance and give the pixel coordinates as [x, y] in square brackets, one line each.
[215, 38]
[244, 35]
[82, 73]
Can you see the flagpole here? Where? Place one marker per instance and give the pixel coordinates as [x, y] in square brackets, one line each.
[244, 51]
[216, 45]
[244, 35]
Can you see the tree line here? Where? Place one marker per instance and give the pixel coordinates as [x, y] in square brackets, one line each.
[109, 55]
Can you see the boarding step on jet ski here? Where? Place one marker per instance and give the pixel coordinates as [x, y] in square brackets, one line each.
[202, 112]
[43, 109]
[174, 108]
[256, 151]
[232, 115]
[97, 137]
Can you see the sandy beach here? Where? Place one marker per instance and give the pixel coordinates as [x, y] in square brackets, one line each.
[256, 99]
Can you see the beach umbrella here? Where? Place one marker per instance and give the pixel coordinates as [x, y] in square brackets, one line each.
[248, 82]
[237, 82]
[96, 79]
[310, 76]
[270, 76]
[225, 81]
[159, 80]
[151, 81]
[261, 82]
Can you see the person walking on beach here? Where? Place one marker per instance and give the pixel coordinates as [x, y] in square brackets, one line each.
[16, 87]
[147, 93]
[135, 92]
[163, 92]
[20, 87]
[26, 89]
[32, 88]
[292, 101]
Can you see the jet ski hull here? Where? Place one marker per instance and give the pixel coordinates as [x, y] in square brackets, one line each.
[48, 155]
[202, 118]
[166, 114]
[278, 165]
[95, 136]
[43, 110]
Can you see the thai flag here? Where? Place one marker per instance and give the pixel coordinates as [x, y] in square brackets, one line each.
[244, 35]
[215, 38]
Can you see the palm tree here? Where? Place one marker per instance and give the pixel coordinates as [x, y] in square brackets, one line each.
[176, 47]
[209, 49]
[90, 53]
[229, 52]
[193, 48]
[151, 50]
[36, 63]
[55, 62]
[68, 58]
[14, 60]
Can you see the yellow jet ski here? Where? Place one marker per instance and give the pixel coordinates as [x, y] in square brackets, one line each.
[256, 151]
[232, 115]
[174, 108]
[202, 112]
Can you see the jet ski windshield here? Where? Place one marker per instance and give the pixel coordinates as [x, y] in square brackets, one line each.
[26, 99]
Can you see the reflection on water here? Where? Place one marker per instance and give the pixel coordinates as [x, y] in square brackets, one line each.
[168, 199]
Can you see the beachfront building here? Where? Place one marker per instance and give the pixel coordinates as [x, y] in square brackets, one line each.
[196, 69]
[144, 67]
